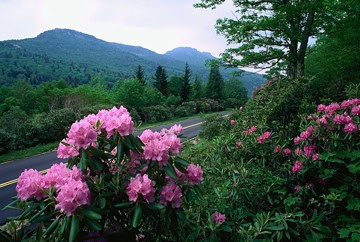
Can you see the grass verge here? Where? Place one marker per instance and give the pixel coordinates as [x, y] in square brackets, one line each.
[39, 149]
[32, 151]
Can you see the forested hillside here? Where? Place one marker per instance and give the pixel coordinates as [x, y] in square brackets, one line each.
[77, 57]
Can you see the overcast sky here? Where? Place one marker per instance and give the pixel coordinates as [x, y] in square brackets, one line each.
[159, 25]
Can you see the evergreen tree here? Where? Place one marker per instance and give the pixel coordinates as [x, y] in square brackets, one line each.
[175, 85]
[186, 88]
[161, 82]
[215, 85]
[197, 91]
[139, 75]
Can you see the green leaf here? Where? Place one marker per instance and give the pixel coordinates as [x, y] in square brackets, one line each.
[180, 167]
[89, 213]
[102, 203]
[120, 153]
[83, 161]
[52, 226]
[43, 218]
[155, 206]
[75, 228]
[226, 228]
[170, 171]
[275, 227]
[181, 161]
[94, 225]
[137, 216]
[123, 205]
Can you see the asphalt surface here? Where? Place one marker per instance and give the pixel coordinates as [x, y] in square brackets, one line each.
[10, 171]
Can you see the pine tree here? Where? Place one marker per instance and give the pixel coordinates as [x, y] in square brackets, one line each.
[215, 85]
[139, 75]
[186, 88]
[197, 89]
[161, 82]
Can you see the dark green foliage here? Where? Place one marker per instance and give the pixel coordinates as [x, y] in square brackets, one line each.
[197, 90]
[161, 82]
[77, 58]
[139, 75]
[185, 87]
[270, 33]
[156, 113]
[235, 93]
[215, 85]
[175, 85]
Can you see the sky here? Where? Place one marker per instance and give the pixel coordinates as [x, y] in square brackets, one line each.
[158, 25]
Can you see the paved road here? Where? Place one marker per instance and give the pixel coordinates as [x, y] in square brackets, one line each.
[10, 171]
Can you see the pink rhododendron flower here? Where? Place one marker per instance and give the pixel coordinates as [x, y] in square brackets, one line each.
[277, 149]
[287, 151]
[232, 122]
[342, 119]
[297, 167]
[72, 195]
[173, 143]
[315, 157]
[241, 108]
[252, 129]
[176, 129]
[58, 175]
[309, 150]
[298, 151]
[148, 135]
[330, 109]
[355, 110]
[118, 120]
[194, 174]
[297, 188]
[157, 150]
[82, 134]
[218, 218]
[351, 128]
[141, 184]
[321, 108]
[305, 135]
[297, 140]
[66, 151]
[322, 120]
[263, 137]
[171, 193]
[29, 185]
[238, 143]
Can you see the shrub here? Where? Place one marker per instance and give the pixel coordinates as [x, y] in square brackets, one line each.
[156, 113]
[115, 185]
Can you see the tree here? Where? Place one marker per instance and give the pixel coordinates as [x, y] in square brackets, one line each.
[175, 85]
[186, 88]
[197, 89]
[234, 88]
[139, 75]
[270, 33]
[129, 93]
[215, 85]
[161, 82]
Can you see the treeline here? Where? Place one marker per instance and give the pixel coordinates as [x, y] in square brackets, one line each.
[31, 115]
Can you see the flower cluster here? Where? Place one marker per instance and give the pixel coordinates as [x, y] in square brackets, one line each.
[338, 119]
[141, 184]
[219, 218]
[159, 146]
[263, 137]
[171, 193]
[69, 185]
[84, 133]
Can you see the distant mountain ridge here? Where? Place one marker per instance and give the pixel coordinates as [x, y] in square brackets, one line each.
[77, 57]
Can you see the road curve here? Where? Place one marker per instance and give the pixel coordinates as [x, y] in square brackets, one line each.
[10, 171]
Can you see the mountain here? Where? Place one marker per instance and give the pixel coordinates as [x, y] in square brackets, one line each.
[77, 57]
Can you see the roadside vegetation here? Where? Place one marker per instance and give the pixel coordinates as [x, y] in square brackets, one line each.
[284, 167]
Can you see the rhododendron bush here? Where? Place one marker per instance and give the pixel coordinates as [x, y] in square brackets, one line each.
[113, 182]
